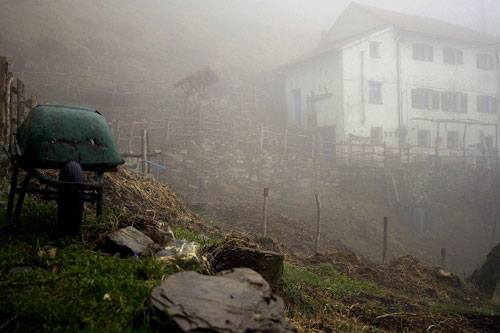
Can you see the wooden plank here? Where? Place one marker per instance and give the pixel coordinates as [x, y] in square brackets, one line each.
[20, 102]
[3, 115]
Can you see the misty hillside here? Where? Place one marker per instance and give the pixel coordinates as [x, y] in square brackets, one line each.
[164, 40]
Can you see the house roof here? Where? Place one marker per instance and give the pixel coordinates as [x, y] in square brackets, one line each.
[406, 22]
[428, 25]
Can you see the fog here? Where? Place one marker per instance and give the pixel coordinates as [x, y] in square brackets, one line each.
[124, 56]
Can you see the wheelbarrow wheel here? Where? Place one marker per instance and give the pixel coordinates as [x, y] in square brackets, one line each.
[70, 202]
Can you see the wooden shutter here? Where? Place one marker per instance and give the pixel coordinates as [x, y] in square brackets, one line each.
[444, 101]
[414, 98]
[435, 100]
[463, 103]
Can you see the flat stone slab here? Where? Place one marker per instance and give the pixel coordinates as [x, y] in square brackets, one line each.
[236, 301]
[267, 263]
[129, 241]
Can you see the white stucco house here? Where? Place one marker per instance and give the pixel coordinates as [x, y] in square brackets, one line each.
[398, 79]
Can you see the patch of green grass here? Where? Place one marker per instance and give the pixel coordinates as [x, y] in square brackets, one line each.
[67, 292]
[201, 239]
[330, 286]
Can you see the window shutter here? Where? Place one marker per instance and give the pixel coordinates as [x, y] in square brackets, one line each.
[435, 100]
[494, 105]
[444, 101]
[414, 98]
[431, 53]
[463, 103]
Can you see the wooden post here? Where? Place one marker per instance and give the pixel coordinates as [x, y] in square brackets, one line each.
[234, 135]
[318, 224]
[130, 137]
[149, 134]
[13, 113]
[116, 133]
[20, 102]
[168, 132]
[7, 131]
[350, 149]
[384, 249]
[264, 212]
[144, 150]
[286, 142]
[313, 152]
[261, 138]
[3, 96]
[113, 96]
[465, 145]
[443, 257]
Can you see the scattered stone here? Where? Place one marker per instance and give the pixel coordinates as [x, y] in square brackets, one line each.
[21, 270]
[129, 241]
[267, 263]
[158, 236]
[235, 301]
[182, 253]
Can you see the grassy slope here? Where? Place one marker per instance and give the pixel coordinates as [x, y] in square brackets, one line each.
[66, 289]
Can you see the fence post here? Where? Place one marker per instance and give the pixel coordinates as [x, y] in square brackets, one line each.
[261, 138]
[144, 150]
[20, 102]
[234, 135]
[3, 114]
[286, 142]
[8, 113]
[318, 224]
[168, 132]
[264, 212]
[350, 149]
[384, 249]
[130, 137]
[13, 114]
[313, 148]
[443, 257]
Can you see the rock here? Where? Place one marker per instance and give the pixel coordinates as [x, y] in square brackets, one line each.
[159, 236]
[182, 253]
[488, 276]
[129, 241]
[235, 301]
[21, 270]
[267, 263]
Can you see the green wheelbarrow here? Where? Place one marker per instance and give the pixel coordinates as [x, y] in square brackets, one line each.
[69, 139]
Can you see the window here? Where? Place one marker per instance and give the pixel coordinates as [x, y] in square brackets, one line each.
[452, 101]
[374, 49]
[485, 62]
[453, 56]
[423, 52]
[376, 133]
[425, 99]
[487, 104]
[424, 138]
[374, 92]
[452, 140]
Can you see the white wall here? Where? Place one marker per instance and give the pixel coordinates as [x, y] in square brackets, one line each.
[361, 116]
[437, 75]
[323, 75]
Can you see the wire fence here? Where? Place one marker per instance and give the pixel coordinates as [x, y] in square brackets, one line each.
[179, 132]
